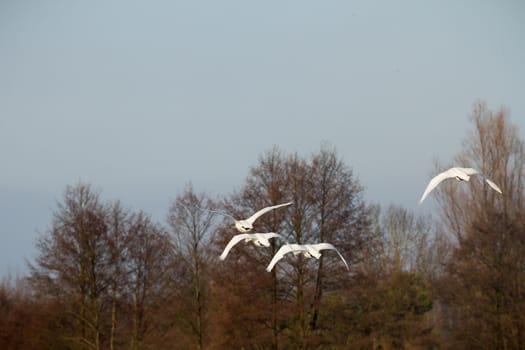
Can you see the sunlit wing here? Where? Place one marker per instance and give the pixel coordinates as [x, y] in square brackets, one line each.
[285, 249]
[267, 235]
[235, 239]
[255, 216]
[468, 171]
[436, 181]
[493, 185]
[322, 246]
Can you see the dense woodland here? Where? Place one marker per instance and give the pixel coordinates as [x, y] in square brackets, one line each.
[107, 277]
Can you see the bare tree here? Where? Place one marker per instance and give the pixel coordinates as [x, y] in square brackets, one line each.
[253, 310]
[494, 148]
[106, 267]
[327, 205]
[191, 223]
[412, 243]
[149, 265]
[118, 254]
[486, 279]
[296, 272]
[265, 187]
[71, 262]
[340, 215]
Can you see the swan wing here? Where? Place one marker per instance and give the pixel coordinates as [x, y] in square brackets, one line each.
[235, 239]
[264, 238]
[322, 246]
[267, 235]
[468, 171]
[285, 249]
[471, 171]
[493, 185]
[436, 180]
[255, 216]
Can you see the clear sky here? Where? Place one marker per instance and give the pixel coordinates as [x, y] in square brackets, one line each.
[138, 98]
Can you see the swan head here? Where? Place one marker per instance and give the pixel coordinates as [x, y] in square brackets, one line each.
[243, 226]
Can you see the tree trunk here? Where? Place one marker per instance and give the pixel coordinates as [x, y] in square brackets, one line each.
[317, 295]
[275, 329]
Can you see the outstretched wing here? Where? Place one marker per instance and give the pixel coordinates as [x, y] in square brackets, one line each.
[436, 181]
[235, 239]
[493, 185]
[285, 249]
[255, 216]
[322, 246]
[469, 171]
[267, 235]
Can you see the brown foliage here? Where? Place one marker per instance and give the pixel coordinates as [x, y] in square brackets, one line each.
[191, 225]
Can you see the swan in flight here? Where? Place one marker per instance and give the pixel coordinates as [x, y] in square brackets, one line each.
[308, 250]
[460, 174]
[259, 239]
[246, 225]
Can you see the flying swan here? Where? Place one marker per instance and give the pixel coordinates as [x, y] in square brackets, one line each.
[308, 250]
[259, 239]
[461, 174]
[246, 225]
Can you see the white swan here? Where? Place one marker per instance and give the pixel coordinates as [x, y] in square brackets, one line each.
[259, 239]
[461, 174]
[246, 225]
[308, 250]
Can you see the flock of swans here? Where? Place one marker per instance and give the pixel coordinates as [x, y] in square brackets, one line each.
[314, 250]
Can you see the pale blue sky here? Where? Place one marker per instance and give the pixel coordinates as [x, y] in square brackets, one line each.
[140, 97]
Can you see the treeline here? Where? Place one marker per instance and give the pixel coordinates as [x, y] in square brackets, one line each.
[107, 277]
